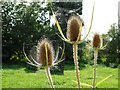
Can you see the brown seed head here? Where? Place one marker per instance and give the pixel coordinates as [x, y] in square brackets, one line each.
[42, 52]
[96, 41]
[73, 28]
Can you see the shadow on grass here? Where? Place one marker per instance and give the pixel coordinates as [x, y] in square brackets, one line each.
[13, 66]
[16, 66]
[27, 68]
[57, 72]
[32, 69]
[72, 67]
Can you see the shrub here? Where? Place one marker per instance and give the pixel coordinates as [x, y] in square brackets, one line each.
[23, 24]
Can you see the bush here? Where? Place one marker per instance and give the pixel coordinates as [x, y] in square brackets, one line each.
[24, 24]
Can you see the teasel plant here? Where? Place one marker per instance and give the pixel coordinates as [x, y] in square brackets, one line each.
[97, 45]
[74, 28]
[46, 58]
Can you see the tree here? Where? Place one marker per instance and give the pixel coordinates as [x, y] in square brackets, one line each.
[112, 50]
[23, 24]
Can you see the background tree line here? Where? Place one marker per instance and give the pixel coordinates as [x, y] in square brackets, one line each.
[28, 23]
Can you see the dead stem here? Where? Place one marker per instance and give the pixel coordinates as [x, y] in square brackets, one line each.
[75, 50]
[48, 74]
[95, 63]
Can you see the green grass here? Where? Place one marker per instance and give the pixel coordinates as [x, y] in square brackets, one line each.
[16, 77]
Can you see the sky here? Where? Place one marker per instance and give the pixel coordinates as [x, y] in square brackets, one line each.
[105, 14]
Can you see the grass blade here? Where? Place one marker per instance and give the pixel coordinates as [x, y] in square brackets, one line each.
[103, 80]
[83, 84]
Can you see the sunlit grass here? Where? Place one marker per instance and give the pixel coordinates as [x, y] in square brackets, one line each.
[16, 77]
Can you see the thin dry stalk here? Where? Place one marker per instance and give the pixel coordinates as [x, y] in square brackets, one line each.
[95, 64]
[48, 74]
[75, 51]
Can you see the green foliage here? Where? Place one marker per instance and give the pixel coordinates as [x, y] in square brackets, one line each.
[24, 24]
[109, 55]
[85, 53]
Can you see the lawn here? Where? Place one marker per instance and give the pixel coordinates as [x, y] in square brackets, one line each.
[15, 76]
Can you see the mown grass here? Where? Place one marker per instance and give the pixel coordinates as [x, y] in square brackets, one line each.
[15, 76]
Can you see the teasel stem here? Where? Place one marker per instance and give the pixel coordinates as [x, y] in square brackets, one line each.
[75, 51]
[95, 64]
[47, 69]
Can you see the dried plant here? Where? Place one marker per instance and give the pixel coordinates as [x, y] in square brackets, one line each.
[46, 58]
[74, 27]
[96, 45]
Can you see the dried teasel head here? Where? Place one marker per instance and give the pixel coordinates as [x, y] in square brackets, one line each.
[74, 26]
[96, 41]
[42, 46]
